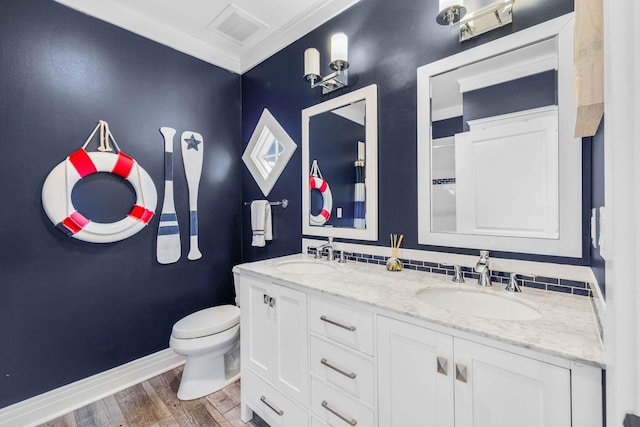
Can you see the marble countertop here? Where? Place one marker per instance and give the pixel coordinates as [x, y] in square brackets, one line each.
[567, 327]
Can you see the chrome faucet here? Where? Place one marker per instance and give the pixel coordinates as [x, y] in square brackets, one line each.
[329, 247]
[513, 285]
[482, 268]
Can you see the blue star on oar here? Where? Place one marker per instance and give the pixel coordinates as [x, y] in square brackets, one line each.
[192, 143]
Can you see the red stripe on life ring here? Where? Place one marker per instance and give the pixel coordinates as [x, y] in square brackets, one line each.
[82, 163]
[325, 213]
[318, 183]
[123, 166]
[141, 213]
[75, 222]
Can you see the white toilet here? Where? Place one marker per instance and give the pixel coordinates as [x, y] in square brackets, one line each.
[210, 340]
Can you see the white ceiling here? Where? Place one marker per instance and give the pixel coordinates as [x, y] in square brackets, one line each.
[258, 28]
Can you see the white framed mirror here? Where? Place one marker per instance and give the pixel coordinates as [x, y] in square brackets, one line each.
[268, 151]
[340, 137]
[498, 165]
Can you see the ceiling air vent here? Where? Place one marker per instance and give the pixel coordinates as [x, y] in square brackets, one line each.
[236, 24]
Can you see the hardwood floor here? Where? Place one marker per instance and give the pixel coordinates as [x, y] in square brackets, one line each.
[154, 403]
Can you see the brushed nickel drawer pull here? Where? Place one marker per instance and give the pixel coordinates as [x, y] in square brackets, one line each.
[351, 421]
[273, 408]
[442, 366]
[348, 328]
[461, 372]
[351, 375]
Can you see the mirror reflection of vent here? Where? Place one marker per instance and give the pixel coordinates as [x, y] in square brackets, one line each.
[236, 24]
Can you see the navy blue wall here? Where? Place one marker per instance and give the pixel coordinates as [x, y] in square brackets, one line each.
[70, 309]
[597, 198]
[388, 41]
[538, 90]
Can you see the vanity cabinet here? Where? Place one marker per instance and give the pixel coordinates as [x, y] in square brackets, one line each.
[274, 346]
[430, 378]
[415, 379]
[341, 363]
[310, 358]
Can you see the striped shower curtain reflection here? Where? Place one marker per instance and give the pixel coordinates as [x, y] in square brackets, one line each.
[359, 196]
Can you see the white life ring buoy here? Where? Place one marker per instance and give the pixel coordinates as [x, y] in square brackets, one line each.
[56, 196]
[327, 200]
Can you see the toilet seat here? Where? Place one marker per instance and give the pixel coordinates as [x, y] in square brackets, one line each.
[206, 322]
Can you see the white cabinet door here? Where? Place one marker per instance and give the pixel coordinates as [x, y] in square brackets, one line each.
[256, 320]
[274, 336]
[503, 389]
[414, 387]
[291, 339]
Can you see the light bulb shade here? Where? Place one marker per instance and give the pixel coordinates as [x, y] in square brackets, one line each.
[311, 62]
[339, 48]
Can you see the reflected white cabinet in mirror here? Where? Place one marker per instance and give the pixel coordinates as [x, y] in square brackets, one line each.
[341, 136]
[268, 151]
[498, 165]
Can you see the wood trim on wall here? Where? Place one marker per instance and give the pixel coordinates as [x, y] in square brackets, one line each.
[588, 57]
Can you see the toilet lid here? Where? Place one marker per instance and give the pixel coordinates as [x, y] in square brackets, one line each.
[207, 322]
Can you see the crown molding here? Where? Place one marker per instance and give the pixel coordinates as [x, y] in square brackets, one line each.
[238, 61]
[301, 25]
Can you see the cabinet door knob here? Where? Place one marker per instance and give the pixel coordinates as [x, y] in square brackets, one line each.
[351, 375]
[443, 366]
[461, 372]
[349, 421]
[333, 322]
[270, 406]
[272, 302]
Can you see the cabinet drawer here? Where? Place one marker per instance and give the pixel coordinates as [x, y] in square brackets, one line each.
[317, 422]
[346, 324]
[272, 406]
[337, 408]
[352, 372]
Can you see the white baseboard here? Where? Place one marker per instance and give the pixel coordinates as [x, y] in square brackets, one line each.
[57, 402]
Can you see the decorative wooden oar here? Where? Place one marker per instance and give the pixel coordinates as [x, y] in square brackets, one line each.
[168, 243]
[192, 148]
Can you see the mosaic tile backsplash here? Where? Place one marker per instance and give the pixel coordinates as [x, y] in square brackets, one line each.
[441, 181]
[539, 282]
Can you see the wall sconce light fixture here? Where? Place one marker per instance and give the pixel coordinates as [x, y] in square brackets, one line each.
[451, 11]
[488, 18]
[479, 22]
[339, 64]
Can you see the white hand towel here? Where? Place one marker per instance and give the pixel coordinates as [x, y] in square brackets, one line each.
[260, 222]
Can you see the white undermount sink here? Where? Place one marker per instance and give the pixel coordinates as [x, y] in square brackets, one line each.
[478, 303]
[305, 266]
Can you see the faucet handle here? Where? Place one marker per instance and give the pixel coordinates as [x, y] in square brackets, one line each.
[457, 274]
[513, 285]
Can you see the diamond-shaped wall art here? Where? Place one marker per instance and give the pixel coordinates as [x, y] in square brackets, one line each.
[268, 152]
